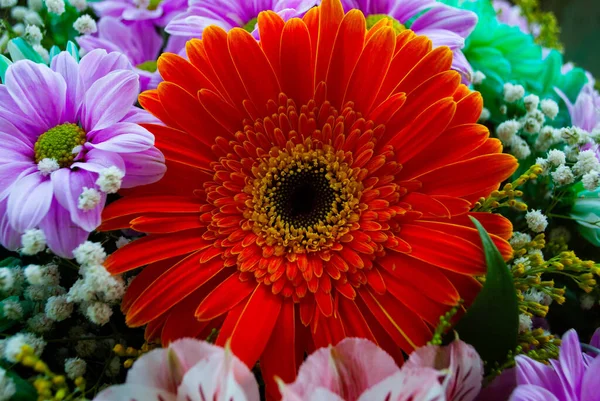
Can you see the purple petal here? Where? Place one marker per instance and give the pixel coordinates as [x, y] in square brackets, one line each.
[595, 342]
[109, 8]
[61, 233]
[109, 99]
[68, 185]
[39, 92]
[9, 237]
[143, 168]
[88, 43]
[462, 66]
[10, 172]
[402, 10]
[500, 388]
[193, 22]
[455, 20]
[97, 160]
[442, 37]
[97, 64]
[7, 127]
[529, 392]
[140, 116]
[570, 369]
[122, 138]
[11, 112]
[590, 390]
[68, 68]
[29, 201]
[536, 373]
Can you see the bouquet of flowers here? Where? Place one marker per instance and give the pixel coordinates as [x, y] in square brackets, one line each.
[300, 200]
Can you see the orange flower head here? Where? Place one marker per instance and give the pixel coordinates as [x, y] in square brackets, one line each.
[318, 187]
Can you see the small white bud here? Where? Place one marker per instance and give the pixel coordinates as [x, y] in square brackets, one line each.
[525, 323]
[89, 199]
[80, 5]
[507, 130]
[43, 52]
[8, 3]
[55, 6]
[33, 34]
[591, 180]
[512, 93]
[531, 102]
[19, 12]
[89, 253]
[485, 115]
[478, 77]
[85, 25]
[99, 313]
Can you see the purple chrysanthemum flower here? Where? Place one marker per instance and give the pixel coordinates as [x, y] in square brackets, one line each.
[69, 135]
[573, 377]
[444, 25]
[229, 14]
[159, 12]
[138, 40]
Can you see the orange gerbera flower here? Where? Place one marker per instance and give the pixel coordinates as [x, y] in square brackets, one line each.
[319, 185]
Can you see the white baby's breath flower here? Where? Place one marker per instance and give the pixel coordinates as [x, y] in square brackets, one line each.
[536, 221]
[89, 253]
[591, 180]
[47, 166]
[519, 240]
[531, 102]
[563, 175]
[549, 108]
[512, 93]
[58, 308]
[14, 345]
[89, 199]
[110, 179]
[12, 309]
[7, 386]
[75, 367]
[80, 5]
[556, 157]
[85, 25]
[478, 77]
[507, 130]
[55, 6]
[99, 313]
[33, 241]
[525, 323]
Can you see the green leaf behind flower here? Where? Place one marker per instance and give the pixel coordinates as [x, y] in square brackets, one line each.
[24, 390]
[491, 324]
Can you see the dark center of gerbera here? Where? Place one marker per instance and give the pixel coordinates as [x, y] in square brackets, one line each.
[58, 143]
[303, 197]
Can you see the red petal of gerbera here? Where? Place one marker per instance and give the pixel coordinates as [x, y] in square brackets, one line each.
[402, 324]
[468, 109]
[163, 225]
[224, 297]
[171, 287]
[471, 136]
[154, 248]
[279, 358]
[353, 321]
[348, 46]
[423, 276]
[176, 69]
[151, 102]
[370, 70]
[255, 325]
[154, 328]
[181, 147]
[144, 279]
[181, 321]
[469, 233]
[260, 80]
[270, 26]
[469, 176]
[330, 15]
[449, 252]
[436, 61]
[425, 307]
[297, 63]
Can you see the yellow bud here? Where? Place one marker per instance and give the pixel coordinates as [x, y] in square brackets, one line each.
[29, 360]
[60, 394]
[58, 380]
[80, 382]
[130, 351]
[119, 349]
[128, 363]
[40, 366]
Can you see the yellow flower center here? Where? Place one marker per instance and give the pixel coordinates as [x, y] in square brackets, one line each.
[304, 199]
[58, 144]
[375, 18]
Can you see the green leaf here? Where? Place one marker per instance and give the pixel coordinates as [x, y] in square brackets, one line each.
[10, 262]
[21, 50]
[491, 324]
[4, 63]
[25, 391]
